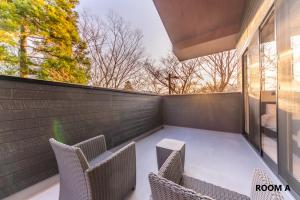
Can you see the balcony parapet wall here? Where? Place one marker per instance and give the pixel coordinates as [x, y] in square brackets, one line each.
[32, 111]
[217, 111]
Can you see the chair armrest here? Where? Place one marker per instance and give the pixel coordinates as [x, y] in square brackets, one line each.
[165, 189]
[210, 190]
[172, 168]
[114, 177]
[92, 147]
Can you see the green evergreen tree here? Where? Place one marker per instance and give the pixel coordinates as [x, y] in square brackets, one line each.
[43, 34]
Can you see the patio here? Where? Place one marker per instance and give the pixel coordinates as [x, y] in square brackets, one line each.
[221, 158]
[264, 33]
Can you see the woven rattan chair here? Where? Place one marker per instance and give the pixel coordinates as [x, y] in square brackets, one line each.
[171, 184]
[89, 172]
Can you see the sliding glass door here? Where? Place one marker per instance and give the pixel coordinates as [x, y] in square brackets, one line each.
[253, 80]
[245, 64]
[288, 46]
[268, 96]
[271, 86]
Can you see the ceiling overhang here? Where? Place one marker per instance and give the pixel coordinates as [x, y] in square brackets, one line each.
[201, 27]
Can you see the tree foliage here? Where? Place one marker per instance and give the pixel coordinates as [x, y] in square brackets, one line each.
[128, 86]
[40, 37]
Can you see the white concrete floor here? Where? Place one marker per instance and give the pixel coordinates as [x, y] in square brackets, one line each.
[225, 159]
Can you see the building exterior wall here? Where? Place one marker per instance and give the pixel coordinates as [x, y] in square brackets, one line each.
[255, 13]
[287, 39]
[31, 112]
[251, 10]
[220, 111]
[288, 49]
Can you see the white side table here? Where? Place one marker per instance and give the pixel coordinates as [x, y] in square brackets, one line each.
[165, 147]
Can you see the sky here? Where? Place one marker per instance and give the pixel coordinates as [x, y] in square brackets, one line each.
[141, 14]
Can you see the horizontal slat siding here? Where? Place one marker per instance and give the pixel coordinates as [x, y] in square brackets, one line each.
[219, 112]
[31, 112]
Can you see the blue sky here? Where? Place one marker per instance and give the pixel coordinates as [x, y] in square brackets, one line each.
[140, 14]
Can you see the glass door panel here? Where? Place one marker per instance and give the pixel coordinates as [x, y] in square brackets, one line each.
[246, 92]
[268, 103]
[288, 47]
[254, 92]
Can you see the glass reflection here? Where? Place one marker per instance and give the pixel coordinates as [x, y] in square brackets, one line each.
[246, 78]
[254, 91]
[295, 44]
[288, 47]
[268, 89]
[295, 114]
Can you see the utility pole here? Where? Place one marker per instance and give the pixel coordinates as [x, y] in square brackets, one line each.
[169, 78]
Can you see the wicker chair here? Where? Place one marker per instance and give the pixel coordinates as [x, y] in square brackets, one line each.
[171, 184]
[89, 172]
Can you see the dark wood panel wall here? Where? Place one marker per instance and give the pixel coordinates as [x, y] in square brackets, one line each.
[32, 111]
[220, 112]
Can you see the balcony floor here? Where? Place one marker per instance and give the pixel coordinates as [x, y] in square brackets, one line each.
[225, 159]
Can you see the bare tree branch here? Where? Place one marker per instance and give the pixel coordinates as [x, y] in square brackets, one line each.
[186, 80]
[115, 50]
[218, 70]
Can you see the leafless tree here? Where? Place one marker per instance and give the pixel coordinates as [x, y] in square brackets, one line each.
[146, 82]
[116, 54]
[183, 75]
[218, 71]
[213, 73]
[115, 50]
[268, 68]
